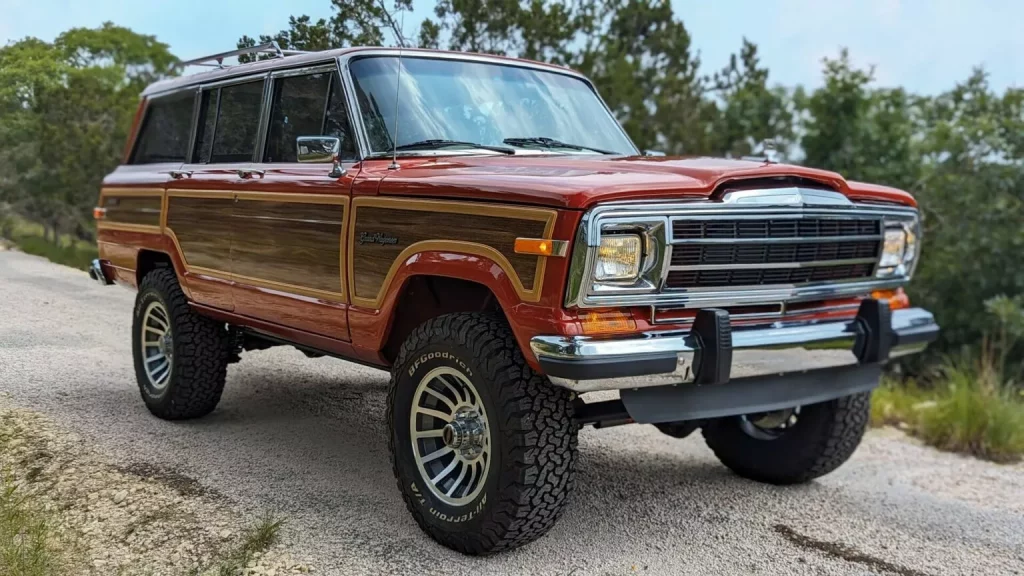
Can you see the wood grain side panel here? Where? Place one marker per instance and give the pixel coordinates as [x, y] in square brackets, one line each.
[139, 210]
[374, 254]
[202, 227]
[290, 243]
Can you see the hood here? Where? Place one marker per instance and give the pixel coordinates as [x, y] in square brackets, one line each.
[578, 182]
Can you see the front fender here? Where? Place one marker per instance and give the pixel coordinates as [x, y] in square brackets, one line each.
[369, 325]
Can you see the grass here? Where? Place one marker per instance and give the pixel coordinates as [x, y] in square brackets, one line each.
[971, 409]
[28, 237]
[75, 255]
[30, 544]
[255, 540]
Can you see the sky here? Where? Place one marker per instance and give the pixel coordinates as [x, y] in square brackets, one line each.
[924, 45]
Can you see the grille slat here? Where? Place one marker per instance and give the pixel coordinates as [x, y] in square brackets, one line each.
[696, 254]
[754, 277]
[769, 228]
[803, 242]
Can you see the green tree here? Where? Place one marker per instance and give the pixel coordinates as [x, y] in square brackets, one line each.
[65, 111]
[861, 132]
[972, 196]
[749, 112]
[354, 23]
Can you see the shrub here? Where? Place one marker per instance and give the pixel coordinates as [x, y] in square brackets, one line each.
[976, 412]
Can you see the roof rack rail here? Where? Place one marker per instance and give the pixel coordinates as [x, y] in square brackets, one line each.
[217, 60]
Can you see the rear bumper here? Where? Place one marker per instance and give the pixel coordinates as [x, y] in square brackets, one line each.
[714, 353]
[97, 273]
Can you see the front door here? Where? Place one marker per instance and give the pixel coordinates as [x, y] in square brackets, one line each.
[288, 252]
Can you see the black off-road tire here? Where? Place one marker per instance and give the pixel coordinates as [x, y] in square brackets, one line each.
[533, 436]
[824, 437]
[201, 349]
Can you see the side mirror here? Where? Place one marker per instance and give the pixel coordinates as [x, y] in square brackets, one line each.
[320, 149]
[654, 153]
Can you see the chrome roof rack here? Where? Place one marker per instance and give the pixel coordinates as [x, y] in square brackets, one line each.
[217, 60]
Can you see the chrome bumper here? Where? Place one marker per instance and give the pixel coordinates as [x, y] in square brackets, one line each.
[714, 353]
[97, 274]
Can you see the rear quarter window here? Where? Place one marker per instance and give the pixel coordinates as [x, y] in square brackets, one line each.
[165, 130]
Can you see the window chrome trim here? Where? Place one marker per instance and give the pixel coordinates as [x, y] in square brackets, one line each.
[777, 203]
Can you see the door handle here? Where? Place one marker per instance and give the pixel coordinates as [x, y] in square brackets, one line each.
[179, 174]
[246, 174]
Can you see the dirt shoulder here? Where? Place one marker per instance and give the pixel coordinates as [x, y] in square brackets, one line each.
[98, 517]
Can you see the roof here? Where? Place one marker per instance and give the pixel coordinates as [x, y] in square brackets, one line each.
[310, 58]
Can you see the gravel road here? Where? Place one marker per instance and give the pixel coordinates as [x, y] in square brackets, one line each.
[306, 438]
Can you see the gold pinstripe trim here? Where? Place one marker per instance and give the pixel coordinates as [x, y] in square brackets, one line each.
[532, 294]
[145, 228]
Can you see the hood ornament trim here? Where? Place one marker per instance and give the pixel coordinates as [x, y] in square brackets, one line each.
[788, 197]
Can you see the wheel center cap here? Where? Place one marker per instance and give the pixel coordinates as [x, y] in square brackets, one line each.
[166, 345]
[464, 433]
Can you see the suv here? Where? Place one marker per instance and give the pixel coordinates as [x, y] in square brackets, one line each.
[483, 228]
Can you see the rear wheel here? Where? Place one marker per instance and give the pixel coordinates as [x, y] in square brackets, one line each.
[483, 448]
[180, 357]
[790, 446]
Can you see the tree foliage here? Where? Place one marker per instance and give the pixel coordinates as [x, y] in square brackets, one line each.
[65, 111]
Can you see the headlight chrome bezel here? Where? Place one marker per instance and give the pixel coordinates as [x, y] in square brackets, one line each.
[905, 257]
[654, 257]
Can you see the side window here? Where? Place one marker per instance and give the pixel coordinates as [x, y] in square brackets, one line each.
[165, 131]
[297, 110]
[238, 120]
[310, 105]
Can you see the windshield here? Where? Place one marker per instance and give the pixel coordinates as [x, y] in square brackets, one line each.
[481, 103]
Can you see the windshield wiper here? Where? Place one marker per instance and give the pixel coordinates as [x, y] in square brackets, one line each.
[551, 143]
[436, 144]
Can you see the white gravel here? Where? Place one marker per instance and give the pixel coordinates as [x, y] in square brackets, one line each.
[306, 438]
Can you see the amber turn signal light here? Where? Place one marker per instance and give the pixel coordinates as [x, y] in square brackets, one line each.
[606, 322]
[897, 298]
[540, 246]
[99, 213]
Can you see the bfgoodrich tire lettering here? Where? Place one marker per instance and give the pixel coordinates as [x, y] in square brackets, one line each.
[200, 352]
[532, 436]
[823, 438]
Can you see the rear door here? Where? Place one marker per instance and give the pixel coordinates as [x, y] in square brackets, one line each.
[201, 198]
[288, 254]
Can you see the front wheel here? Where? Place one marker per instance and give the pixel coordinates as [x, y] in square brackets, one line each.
[791, 446]
[483, 448]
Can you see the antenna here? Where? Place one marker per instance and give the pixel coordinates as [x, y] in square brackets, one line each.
[398, 91]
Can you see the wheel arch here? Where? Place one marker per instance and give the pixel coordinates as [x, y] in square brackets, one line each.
[422, 297]
[452, 266]
[148, 260]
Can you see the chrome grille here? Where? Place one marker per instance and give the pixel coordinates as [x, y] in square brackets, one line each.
[741, 247]
[790, 249]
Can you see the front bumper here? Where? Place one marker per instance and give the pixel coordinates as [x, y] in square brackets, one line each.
[715, 353]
